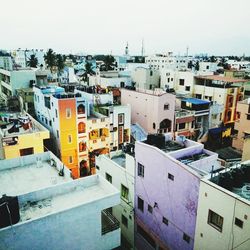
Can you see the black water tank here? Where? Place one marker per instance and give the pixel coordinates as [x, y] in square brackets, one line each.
[9, 211]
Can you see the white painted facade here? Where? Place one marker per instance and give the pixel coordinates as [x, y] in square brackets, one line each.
[121, 168]
[208, 66]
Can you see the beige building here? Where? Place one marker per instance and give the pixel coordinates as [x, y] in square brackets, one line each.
[242, 123]
[224, 210]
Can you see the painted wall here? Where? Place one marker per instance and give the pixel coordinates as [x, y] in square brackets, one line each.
[225, 204]
[176, 200]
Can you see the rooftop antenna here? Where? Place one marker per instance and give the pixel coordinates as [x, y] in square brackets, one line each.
[142, 48]
[187, 51]
[126, 49]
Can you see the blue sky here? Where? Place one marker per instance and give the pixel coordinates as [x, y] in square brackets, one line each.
[218, 27]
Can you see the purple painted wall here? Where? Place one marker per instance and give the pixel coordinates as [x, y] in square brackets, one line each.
[177, 200]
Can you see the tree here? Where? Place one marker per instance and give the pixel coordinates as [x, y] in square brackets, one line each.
[109, 62]
[50, 58]
[59, 62]
[88, 71]
[190, 65]
[197, 66]
[32, 62]
[212, 59]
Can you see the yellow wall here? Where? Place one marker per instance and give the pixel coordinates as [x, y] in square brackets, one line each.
[32, 140]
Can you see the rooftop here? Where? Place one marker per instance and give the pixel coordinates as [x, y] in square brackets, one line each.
[29, 173]
[229, 154]
[235, 179]
[195, 101]
[221, 78]
[120, 160]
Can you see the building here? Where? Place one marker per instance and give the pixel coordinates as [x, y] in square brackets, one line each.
[45, 206]
[10, 81]
[144, 78]
[242, 124]
[21, 135]
[208, 66]
[26, 100]
[5, 60]
[153, 110]
[220, 90]
[167, 61]
[224, 210]
[168, 177]
[119, 170]
[83, 124]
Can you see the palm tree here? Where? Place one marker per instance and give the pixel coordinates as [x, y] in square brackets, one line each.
[32, 62]
[88, 71]
[109, 62]
[50, 58]
[59, 62]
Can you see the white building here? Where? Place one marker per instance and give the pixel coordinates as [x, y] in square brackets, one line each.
[167, 61]
[242, 65]
[208, 66]
[119, 170]
[224, 210]
[49, 211]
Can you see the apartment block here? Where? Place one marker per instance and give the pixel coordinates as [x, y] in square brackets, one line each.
[119, 170]
[153, 110]
[167, 181]
[224, 210]
[21, 135]
[44, 204]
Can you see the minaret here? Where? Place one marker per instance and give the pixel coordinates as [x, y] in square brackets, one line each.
[142, 48]
[126, 49]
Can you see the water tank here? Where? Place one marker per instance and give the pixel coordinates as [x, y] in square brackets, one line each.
[9, 211]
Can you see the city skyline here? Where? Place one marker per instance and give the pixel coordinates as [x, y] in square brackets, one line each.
[216, 28]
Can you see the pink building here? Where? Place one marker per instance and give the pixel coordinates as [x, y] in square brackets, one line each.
[154, 110]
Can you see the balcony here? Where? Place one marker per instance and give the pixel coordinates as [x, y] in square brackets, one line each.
[101, 142]
[109, 222]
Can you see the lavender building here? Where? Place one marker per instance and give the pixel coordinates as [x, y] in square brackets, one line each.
[167, 189]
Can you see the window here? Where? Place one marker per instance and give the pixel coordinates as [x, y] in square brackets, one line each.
[120, 118]
[150, 209]
[124, 221]
[215, 220]
[97, 167]
[187, 88]
[69, 138]
[57, 134]
[140, 169]
[165, 220]
[153, 125]
[186, 238]
[56, 113]
[166, 106]
[238, 222]
[50, 123]
[68, 113]
[124, 192]
[70, 159]
[140, 204]
[198, 96]
[146, 236]
[182, 125]
[181, 82]
[108, 177]
[170, 176]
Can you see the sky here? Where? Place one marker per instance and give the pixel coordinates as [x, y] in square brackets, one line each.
[216, 27]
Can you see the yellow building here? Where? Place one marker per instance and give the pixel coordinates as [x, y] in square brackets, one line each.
[21, 135]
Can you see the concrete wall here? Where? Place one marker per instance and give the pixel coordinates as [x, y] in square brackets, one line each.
[226, 205]
[176, 200]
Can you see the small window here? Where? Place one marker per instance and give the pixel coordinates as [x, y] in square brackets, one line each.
[124, 221]
[166, 106]
[181, 82]
[215, 220]
[50, 123]
[238, 222]
[108, 177]
[150, 209]
[165, 220]
[120, 118]
[140, 204]
[68, 113]
[170, 176]
[186, 238]
[140, 169]
[97, 167]
[56, 113]
[69, 138]
[124, 192]
[70, 159]
[153, 125]
[182, 125]
[57, 134]
[187, 88]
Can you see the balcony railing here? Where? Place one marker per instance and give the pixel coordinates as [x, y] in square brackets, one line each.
[109, 222]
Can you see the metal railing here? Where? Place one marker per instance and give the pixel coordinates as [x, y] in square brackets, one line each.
[109, 222]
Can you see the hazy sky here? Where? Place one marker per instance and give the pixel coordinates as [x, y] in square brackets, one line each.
[219, 27]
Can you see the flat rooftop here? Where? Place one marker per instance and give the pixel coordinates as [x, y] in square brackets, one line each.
[120, 160]
[29, 173]
[195, 101]
[221, 78]
[235, 179]
[65, 196]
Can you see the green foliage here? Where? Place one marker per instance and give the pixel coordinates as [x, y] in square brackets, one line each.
[197, 66]
[32, 62]
[50, 58]
[109, 63]
[59, 62]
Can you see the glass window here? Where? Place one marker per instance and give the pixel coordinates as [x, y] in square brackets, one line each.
[215, 220]
[140, 169]
[170, 176]
[238, 222]
[124, 192]
[165, 220]
[108, 177]
[140, 204]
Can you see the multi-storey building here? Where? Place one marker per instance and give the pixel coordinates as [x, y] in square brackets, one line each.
[167, 178]
[43, 204]
[21, 135]
[242, 124]
[119, 169]
[153, 110]
[79, 130]
[224, 210]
